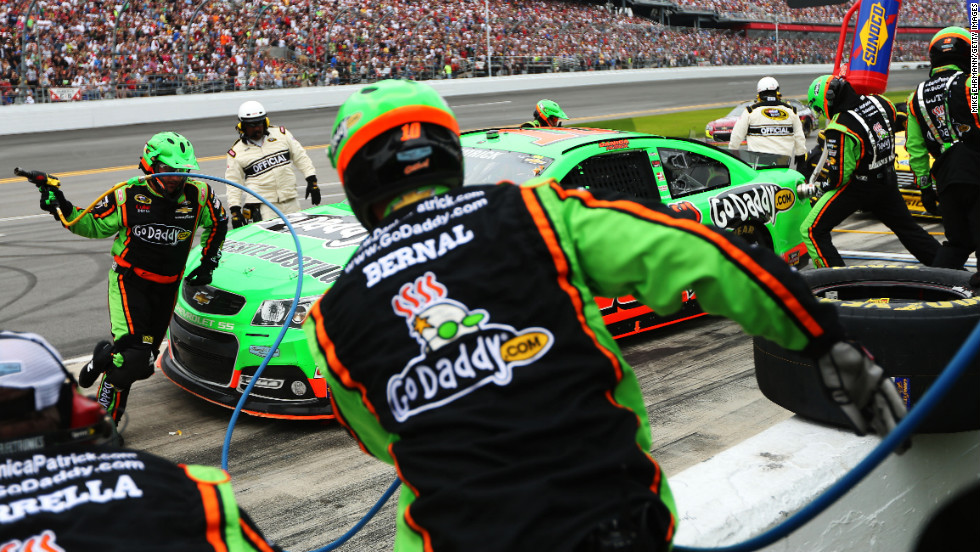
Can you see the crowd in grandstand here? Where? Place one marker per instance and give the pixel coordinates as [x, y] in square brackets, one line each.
[124, 48]
[925, 13]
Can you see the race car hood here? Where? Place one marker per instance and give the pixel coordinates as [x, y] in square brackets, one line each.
[262, 257]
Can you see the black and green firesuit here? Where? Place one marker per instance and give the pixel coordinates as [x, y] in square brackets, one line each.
[858, 173]
[943, 125]
[83, 497]
[153, 236]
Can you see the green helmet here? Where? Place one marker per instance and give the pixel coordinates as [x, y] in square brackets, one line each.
[170, 149]
[390, 137]
[547, 109]
[950, 46]
[823, 93]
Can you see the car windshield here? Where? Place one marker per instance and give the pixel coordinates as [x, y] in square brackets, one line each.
[737, 110]
[485, 166]
[760, 160]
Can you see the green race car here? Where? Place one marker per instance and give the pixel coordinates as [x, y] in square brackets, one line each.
[220, 333]
[708, 183]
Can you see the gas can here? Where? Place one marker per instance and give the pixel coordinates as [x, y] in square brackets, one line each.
[871, 52]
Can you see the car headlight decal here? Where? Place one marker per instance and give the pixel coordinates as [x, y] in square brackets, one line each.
[273, 312]
[298, 388]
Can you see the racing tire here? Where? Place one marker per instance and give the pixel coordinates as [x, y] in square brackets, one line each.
[807, 128]
[913, 319]
[754, 233]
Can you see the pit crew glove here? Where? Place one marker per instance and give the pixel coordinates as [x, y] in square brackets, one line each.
[930, 200]
[807, 190]
[52, 198]
[798, 162]
[237, 219]
[312, 189]
[201, 276]
[859, 387]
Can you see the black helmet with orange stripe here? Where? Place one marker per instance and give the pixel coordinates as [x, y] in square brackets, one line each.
[391, 137]
[950, 46]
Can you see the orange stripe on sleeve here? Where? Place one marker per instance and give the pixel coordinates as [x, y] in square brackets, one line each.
[338, 368]
[426, 537]
[212, 516]
[253, 537]
[330, 352]
[561, 264]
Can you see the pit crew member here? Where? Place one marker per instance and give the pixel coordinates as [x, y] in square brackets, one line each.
[67, 485]
[854, 164]
[942, 125]
[262, 160]
[153, 220]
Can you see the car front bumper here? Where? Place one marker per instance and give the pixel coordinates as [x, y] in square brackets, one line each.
[203, 362]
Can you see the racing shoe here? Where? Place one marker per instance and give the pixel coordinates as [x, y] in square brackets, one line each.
[101, 360]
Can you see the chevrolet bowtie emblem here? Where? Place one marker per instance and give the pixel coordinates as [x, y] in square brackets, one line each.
[202, 298]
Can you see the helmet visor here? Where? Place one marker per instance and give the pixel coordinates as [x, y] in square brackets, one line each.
[159, 167]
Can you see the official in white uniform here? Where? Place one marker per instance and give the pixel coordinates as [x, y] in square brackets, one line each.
[262, 160]
[770, 125]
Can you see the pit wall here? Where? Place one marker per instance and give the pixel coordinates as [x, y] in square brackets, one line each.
[751, 487]
[48, 117]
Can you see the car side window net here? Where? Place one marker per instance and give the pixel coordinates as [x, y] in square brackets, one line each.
[691, 173]
[627, 172]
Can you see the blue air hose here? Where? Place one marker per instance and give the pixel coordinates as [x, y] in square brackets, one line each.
[289, 316]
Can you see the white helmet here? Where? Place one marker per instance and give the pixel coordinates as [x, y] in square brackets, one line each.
[767, 84]
[251, 111]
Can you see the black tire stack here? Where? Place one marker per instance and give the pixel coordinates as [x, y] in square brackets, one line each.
[913, 320]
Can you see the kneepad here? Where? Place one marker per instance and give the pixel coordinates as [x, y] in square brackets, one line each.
[132, 360]
[102, 358]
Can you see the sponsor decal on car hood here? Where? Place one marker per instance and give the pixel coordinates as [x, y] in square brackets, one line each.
[255, 256]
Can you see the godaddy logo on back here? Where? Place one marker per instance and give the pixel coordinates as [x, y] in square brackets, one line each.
[461, 350]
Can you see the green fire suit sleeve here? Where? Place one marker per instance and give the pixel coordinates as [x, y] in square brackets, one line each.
[213, 220]
[915, 143]
[103, 221]
[625, 248]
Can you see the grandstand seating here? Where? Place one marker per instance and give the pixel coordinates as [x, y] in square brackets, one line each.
[91, 49]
